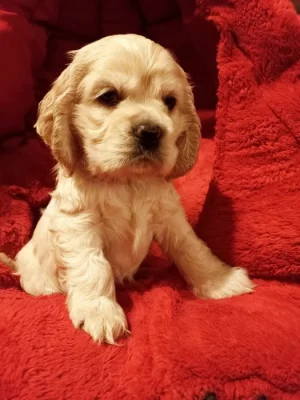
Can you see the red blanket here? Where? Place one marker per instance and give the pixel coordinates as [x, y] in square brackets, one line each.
[252, 213]
[180, 347]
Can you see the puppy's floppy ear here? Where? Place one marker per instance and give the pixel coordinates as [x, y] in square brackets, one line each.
[54, 119]
[189, 140]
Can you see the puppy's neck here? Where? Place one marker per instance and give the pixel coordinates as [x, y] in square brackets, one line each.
[78, 192]
[83, 177]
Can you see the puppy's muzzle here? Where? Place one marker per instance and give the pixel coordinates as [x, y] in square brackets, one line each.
[148, 136]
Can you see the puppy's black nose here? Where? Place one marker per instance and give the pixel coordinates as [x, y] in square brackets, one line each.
[149, 136]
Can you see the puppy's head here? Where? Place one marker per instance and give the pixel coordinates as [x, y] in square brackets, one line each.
[122, 107]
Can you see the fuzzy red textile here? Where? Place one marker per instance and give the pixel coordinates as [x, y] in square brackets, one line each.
[245, 348]
[180, 347]
[252, 213]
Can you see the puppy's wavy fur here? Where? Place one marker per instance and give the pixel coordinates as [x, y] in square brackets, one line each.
[112, 197]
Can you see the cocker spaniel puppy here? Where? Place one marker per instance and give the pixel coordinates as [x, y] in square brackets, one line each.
[121, 123]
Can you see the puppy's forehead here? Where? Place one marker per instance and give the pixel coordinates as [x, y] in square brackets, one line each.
[130, 50]
[130, 65]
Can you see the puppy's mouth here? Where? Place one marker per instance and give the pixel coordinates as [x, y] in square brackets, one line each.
[146, 159]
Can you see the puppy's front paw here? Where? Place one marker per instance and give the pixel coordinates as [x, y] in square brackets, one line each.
[103, 319]
[234, 283]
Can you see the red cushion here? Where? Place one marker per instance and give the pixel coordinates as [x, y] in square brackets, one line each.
[252, 214]
[23, 49]
[17, 89]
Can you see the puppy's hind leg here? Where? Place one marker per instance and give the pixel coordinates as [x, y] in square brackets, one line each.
[37, 270]
[35, 263]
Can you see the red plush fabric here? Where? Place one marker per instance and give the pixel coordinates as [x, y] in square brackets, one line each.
[252, 213]
[180, 347]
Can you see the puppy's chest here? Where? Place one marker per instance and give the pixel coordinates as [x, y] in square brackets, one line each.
[127, 218]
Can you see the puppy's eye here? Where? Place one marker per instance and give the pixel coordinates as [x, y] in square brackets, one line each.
[109, 98]
[170, 102]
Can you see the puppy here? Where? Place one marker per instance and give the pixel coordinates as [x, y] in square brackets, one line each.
[121, 123]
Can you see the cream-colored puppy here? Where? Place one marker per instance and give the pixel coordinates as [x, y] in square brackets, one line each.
[121, 123]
